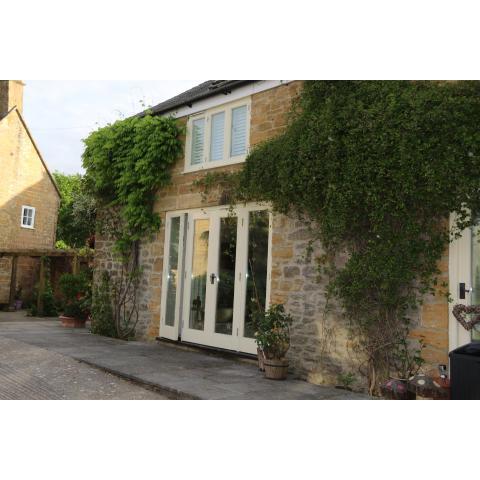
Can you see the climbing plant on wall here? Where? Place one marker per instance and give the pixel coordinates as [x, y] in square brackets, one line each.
[126, 164]
[376, 168]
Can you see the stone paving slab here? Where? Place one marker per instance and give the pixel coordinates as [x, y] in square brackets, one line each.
[186, 373]
[32, 373]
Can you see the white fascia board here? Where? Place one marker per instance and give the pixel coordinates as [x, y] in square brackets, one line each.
[221, 98]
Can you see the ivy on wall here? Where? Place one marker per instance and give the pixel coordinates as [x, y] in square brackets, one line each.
[126, 163]
[376, 167]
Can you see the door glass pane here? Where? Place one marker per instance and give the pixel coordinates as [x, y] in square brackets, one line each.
[475, 295]
[226, 275]
[256, 268]
[172, 278]
[199, 274]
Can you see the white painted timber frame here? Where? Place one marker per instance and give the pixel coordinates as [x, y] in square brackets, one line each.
[236, 341]
[27, 207]
[460, 271]
[207, 115]
[169, 331]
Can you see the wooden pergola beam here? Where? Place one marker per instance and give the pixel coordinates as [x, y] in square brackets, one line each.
[37, 253]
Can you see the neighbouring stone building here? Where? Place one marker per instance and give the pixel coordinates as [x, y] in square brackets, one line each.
[202, 268]
[29, 198]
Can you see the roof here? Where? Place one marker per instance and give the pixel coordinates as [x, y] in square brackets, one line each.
[34, 146]
[204, 90]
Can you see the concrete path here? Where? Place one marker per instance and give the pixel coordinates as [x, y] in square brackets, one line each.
[176, 371]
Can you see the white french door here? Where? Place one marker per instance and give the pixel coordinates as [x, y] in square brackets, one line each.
[464, 282]
[216, 273]
[173, 258]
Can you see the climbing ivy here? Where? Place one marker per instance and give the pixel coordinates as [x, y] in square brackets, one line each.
[376, 168]
[126, 163]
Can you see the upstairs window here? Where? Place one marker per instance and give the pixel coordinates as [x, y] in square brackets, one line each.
[219, 136]
[28, 217]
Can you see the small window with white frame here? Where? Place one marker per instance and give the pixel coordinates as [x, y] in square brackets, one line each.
[28, 217]
[219, 136]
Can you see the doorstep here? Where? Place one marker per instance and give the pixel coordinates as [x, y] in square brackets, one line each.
[219, 352]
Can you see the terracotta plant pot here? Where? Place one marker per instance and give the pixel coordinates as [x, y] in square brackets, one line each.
[261, 360]
[71, 322]
[276, 368]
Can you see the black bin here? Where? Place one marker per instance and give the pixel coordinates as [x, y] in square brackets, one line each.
[465, 372]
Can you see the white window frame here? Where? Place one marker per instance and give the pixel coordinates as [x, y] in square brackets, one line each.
[207, 115]
[32, 226]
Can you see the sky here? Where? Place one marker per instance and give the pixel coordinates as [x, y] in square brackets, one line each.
[60, 114]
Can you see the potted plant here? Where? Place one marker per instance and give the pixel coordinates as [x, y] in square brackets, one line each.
[273, 339]
[406, 363]
[75, 290]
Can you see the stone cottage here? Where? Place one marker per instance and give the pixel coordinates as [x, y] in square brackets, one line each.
[204, 267]
[29, 198]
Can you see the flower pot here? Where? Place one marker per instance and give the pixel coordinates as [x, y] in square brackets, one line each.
[276, 368]
[396, 389]
[72, 322]
[261, 359]
[18, 304]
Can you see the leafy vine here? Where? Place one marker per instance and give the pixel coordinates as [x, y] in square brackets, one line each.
[376, 168]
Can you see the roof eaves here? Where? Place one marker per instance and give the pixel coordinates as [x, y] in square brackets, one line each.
[205, 90]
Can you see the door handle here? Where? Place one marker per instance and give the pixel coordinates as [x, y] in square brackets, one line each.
[463, 290]
[212, 278]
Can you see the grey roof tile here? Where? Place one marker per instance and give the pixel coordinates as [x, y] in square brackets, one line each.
[204, 90]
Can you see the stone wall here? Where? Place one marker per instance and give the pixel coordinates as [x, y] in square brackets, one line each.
[320, 349]
[23, 181]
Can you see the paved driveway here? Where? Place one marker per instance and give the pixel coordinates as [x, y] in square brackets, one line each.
[28, 372]
[175, 371]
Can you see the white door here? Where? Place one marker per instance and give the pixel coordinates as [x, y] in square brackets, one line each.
[171, 305]
[226, 276]
[464, 280]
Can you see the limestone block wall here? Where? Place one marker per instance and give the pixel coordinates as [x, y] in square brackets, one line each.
[320, 347]
[24, 181]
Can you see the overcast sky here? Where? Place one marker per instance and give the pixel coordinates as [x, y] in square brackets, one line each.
[61, 113]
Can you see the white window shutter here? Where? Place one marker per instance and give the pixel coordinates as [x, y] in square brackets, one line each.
[217, 139]
[198, 141]
[239, 131]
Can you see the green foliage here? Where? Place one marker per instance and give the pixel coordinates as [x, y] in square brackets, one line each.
[376, 168]
[273, 331]
[406, 360]
[76, 291]
[77, 212]
[346, 380]
[126, 163]
[102, 311]
[48, 301]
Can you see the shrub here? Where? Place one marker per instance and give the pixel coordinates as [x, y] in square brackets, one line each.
[273, 331]
[76, 291]
[102, 312]
[48, 301]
